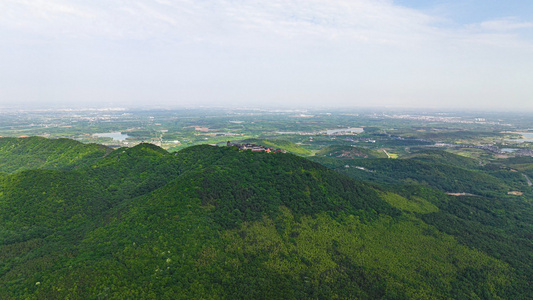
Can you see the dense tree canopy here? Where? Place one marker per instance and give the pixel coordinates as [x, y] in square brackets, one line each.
[217, 222]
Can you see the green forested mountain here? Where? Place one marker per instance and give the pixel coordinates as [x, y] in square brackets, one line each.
[350, 152]
[215, 222]
[447, 178]
[486, 218]
[443, 157]
[40, 153]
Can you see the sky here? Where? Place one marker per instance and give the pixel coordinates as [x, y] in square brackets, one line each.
[455, 54]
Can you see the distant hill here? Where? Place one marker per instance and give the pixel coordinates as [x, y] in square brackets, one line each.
[521, 164]
[444, 177]
[280, 144]
[350, 152]
[443, 157]
[215, 222]
[491, 221]
[18, 154]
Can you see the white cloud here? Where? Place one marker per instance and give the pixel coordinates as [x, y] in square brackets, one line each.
[310, 49]
[507, 24]
[232, 22]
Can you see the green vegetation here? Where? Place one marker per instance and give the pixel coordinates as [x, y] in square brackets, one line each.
[83, 221]
[499, 227]
[443, 157]
[491, 221]
[279, 144]
[446, 178]
[414, 204]
[39, 153]
[215, 222]
[350, 152]
[397, 132]
[454, 135]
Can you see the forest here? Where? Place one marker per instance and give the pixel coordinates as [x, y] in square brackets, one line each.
[84, 221]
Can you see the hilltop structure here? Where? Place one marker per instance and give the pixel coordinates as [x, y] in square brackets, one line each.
[254, 147]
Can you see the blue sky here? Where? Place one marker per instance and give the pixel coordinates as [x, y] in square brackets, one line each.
[469, 54]
[471, 11]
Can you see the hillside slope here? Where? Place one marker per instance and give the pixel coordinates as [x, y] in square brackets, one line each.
[443, 157]
[18, 154]
[481, 214]
[215, 222]
[444, 177]
[350, 152]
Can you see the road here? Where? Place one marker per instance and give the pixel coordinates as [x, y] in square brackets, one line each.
[528, 181]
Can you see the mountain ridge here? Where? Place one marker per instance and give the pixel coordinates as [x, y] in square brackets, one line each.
[215, 222]
[26, 153]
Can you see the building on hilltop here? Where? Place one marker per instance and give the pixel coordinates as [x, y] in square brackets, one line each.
[254, 147]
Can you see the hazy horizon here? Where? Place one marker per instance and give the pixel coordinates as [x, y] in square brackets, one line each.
[55, 107]
[441, 55]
